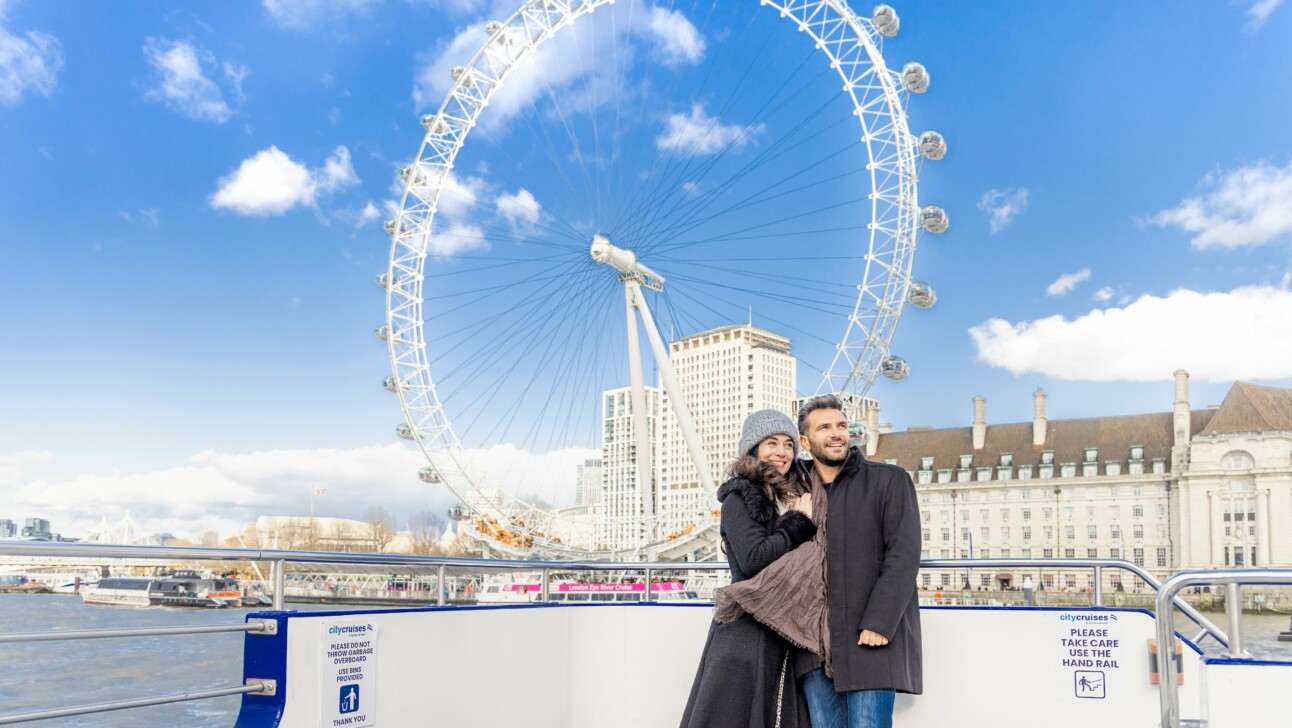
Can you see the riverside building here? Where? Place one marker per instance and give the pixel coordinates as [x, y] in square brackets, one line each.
[621, 503]
[725, 374]
[1184, 489]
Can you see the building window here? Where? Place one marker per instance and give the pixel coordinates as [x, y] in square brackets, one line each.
[1004, 514]
[1138, 530]
[944, 475]
[1092, 454]
[1048, 553]
[1025, 472]
[946, 553]
[1070, 581]
[984, 580]
[1068, 470]
[1137, 511]
[1092, 553]
[964, 553]
[1089, 470]
[984, 534]
[1069, 532]
[1135, 468]
[946, 534]
[964, 514]
[1047, 457]
[1046, 471]
[1069, 553]
[926, 534]
[964, 535]
[1114, 553]
[966, 461]
[1237, 460]
[1159, 466]
[1161, 557]
[1090, 512]
[1049, 513]
[1139, 557]
[1049, 533]
[1112, 467]
[927, 580]
[1161, 530]
[1004, 532]
[1114, 511]
[1092, 531]
[946, 580]
[984, 514]
[926, 463]
[926, 477]
[928, 516]
[1003, 473]
[1027, 553]
[1027, 514]
[1004, 554]
[1027, 533]
[1115, 531]
[984, 473]
[1067, 513]
[1006, 459]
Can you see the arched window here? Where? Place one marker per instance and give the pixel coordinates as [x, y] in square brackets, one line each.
[1237, 460]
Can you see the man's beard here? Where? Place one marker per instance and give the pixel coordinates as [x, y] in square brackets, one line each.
[820, 456]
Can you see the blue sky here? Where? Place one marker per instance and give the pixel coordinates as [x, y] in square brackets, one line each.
[193, 197]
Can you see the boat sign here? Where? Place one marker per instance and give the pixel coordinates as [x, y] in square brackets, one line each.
[1092, 653]
[349, 673]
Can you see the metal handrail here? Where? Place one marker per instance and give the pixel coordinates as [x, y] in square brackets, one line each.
[1233, 579]
[255, 626]
[257, 687]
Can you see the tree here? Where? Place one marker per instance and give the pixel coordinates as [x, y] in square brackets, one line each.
[426, 526]
[381, 528]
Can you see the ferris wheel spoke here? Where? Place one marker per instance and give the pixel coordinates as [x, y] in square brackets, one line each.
[812, 304]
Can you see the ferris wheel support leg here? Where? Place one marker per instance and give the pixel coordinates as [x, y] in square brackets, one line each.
[645, 473]
[674, 390]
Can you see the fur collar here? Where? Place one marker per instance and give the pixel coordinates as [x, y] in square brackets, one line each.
[761, 508]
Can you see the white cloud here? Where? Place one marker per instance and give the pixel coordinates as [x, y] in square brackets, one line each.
[302, 14]
[1003, 206]
[1066, 282]
[1104, 295]
[185, 86]
[700, 134]
[1249, 206]
[519, 207]
[1259, 12]
[28, 62]
[271, 183]
[1151, 337]
[565, 67]
[458, 196]
[368, 214]
[222, 492]
[676, 41]
[456, 238]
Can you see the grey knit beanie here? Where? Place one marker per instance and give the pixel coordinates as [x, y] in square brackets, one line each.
[763, 424]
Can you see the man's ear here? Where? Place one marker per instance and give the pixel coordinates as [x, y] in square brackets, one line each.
[803, 442]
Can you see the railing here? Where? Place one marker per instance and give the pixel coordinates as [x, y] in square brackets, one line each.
[278, 559]
[1233, 580]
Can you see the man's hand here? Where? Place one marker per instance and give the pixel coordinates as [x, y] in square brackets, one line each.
[872, 639]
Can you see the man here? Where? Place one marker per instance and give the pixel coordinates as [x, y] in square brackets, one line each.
[872, 546]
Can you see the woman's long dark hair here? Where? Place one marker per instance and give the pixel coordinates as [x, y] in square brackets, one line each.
[783, 488]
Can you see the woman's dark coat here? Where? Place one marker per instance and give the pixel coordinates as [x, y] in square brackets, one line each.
[739, 677]
[872, 561]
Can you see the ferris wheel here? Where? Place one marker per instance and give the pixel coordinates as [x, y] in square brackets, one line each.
[629, 167]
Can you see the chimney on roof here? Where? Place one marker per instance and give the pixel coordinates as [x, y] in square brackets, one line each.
[1181, 423]
[979, 422]
[872, 425]
[1038, 418]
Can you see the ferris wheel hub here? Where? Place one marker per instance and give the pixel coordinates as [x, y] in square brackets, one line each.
[625, 261]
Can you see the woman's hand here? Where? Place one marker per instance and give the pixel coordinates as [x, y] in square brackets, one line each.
[803, 504]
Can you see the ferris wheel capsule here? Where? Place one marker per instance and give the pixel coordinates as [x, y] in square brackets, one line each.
[463, 75]
[915, 77]
[392, 227]
[429, 474]
[895, 368]
[493, 27]
[932, 145]
[434, 124]
[934, 219]
[409, 173]
[458, 513]
[383, 332]
[404, 431]
[390, 384]
[885, 20]
[858, 435]
[921, 295]
[388, 281]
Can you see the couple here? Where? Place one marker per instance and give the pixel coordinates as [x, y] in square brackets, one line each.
[820, 626]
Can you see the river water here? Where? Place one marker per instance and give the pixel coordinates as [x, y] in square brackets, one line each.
[42, 675]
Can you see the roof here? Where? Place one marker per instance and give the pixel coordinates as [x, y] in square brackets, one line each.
[1252, 408]
[1113, 436]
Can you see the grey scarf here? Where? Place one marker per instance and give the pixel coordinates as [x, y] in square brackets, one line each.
[789, 595]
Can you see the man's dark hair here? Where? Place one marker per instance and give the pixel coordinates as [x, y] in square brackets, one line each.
[821, 401]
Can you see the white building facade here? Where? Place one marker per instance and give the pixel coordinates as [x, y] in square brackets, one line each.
[587, 491]
[1184, 489]
[621, 503]
[725, 374]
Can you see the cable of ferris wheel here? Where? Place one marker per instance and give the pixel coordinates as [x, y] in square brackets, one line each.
[508, 263]
[782, 324]
[650, 200]
[815, 283]
[800, 301]
[730, 236]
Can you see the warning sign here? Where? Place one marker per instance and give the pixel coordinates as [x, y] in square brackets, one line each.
[349, 673]
[1091, 654]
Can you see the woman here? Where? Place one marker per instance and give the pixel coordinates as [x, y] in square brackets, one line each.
[744, 679]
